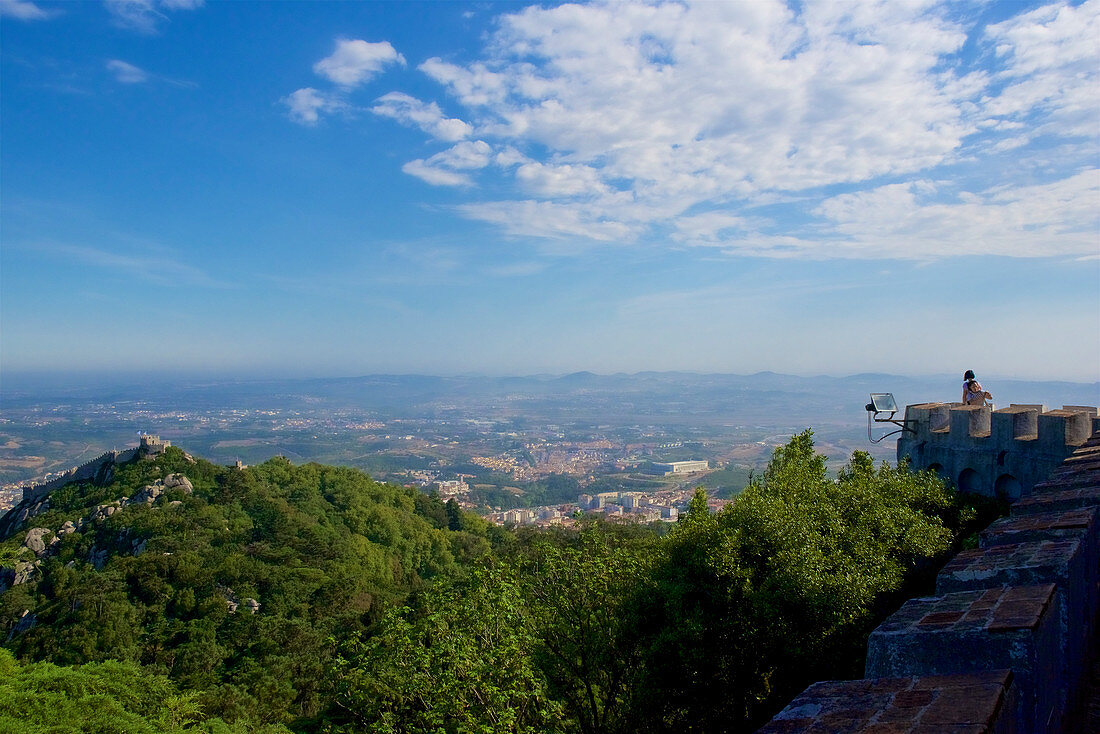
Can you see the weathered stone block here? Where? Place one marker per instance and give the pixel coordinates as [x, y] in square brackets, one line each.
[981, 702]
[1059, 428]
[975, 631]
[1054, 499]
[1080, 524]
[970, 421]
[1027, 564]
[1015, 422]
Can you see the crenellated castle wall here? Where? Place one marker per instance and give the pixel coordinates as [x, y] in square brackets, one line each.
[1002, 453]
[1006, 643]
[148, 445]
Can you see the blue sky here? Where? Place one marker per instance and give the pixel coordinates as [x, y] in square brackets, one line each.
[351, 187]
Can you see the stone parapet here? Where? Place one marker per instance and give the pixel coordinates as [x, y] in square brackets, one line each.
[977, 702]
[1026, 600]
[1059, 562]
[977, 631]
[1001, 452]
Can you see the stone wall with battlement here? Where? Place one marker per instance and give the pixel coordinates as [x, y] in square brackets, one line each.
[1001, 452]
[1006, 643]
[148, 445]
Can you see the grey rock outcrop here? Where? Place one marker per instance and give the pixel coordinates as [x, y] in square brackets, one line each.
[147, 494]
[178, 480]
[233, 603]
[102, 512]
[150, 493]
[36, 540]
[24, 572]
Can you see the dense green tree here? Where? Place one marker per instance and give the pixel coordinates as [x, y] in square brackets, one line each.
[458, 660]
[583, 603]
[782, 586]
[101, 698]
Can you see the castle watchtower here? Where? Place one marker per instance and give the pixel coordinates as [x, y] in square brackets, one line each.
[153, 445]
[1001, 453]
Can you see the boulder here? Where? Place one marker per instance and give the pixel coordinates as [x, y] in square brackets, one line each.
[102, 512]
[251, 605]
[231, 600]
[36, 540]
[147, 494]
[178, 480]
[24, 572]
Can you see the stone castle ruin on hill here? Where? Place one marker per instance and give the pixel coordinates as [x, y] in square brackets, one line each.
[1006, 643]
[36, 496]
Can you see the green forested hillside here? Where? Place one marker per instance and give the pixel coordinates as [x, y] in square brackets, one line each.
[323, 550]
[315, 599]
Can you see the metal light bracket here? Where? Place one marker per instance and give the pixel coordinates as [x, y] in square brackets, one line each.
[883, 402]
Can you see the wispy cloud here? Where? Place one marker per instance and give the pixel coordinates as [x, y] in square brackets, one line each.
[23, 10]
[305, 106]
[151, 266]
[353, 63]
[127, 73]
[146, 16]
[425, 115]
[442, 169]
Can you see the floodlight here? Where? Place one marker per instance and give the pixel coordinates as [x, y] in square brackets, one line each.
[883, 402]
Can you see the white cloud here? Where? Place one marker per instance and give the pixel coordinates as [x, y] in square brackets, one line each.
[547, 219]
[556, 181]
[434, 175]
[22, 10]
[1056, 218]
[442, 168]
[355, 62]
[127, 73]
[306, 105]
[425, 115]
[707, 228]
[466, 155]
[623, 120]
[917, 221]
[145, 16]
[1051, 60]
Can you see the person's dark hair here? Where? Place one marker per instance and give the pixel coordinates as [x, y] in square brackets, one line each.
[969, 375]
